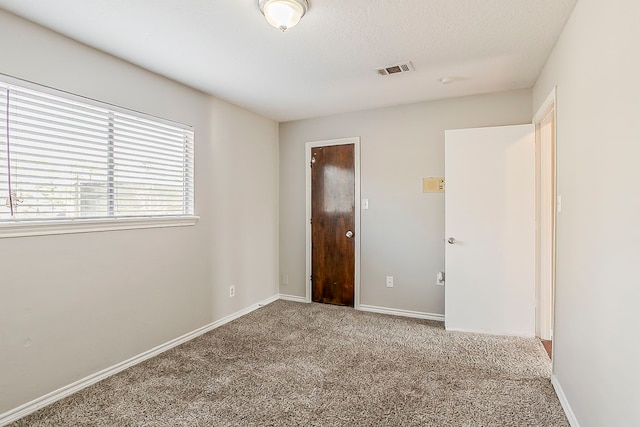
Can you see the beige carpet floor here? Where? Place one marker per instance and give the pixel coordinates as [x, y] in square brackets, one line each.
[293, 364]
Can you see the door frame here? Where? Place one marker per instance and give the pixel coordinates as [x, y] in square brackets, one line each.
[545, 300]
[356, 171]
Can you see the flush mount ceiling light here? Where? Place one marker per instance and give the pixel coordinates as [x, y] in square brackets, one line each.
[283, 14]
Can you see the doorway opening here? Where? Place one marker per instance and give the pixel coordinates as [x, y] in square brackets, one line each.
[545, 123]
[333, 221]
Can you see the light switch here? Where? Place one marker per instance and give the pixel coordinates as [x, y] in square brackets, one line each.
[365, 203]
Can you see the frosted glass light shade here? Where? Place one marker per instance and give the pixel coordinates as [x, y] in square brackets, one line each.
[283, 14]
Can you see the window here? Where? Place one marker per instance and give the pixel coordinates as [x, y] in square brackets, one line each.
[66, 158]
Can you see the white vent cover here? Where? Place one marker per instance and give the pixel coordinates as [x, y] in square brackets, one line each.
[396, 68]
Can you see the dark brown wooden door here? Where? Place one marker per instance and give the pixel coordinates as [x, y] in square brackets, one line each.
[333, 224]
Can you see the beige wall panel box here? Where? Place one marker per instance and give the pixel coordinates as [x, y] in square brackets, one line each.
[433, 185]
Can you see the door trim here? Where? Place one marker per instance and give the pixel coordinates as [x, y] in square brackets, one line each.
[356, 171]
[545, 301]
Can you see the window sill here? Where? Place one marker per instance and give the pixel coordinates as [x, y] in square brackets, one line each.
[45, 228]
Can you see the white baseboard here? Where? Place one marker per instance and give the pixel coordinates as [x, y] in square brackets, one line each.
[293, 298]
[47, 399]
[487, 332]
[254, 307]
[404, 313]
[564, 402]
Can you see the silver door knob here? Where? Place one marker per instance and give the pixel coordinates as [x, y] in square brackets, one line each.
[349, 234]
[451, 240]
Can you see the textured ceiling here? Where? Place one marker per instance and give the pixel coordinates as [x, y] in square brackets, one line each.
[327, 63]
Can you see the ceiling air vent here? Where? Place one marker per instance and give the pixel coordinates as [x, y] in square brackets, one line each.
[395, 69]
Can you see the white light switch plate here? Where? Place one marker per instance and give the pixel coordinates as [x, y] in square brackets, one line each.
[559, 204]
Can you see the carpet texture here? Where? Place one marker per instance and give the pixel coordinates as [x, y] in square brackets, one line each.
[293, 364]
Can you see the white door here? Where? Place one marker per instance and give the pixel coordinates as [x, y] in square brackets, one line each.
[490, 230]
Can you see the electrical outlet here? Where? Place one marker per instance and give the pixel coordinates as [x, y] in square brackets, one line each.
[232, 291]
[440, 278]
[389, 281]
[285, 279]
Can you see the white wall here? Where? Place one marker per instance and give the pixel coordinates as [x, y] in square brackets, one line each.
[596, 348]
[403, 229]
[89, 301]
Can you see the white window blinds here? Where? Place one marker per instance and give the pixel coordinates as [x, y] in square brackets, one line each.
[64, 159]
